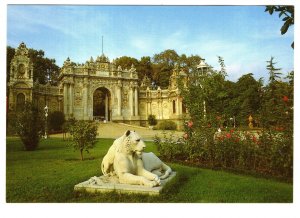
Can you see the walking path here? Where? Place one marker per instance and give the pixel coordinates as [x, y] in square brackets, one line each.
[115, 130]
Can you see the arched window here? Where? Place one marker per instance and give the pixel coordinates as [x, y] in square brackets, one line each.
[183, 108]
[20, 102]
[174, 106]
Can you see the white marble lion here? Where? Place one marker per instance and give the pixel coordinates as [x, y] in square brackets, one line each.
[126, 159]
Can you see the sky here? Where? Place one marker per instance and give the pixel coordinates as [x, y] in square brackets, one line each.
[245, 36]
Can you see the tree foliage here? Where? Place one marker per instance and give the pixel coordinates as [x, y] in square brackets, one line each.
[56, 120]
[83, 135]
[29, 125]
[288, 16]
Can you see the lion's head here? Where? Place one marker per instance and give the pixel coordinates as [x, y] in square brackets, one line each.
[133, 142]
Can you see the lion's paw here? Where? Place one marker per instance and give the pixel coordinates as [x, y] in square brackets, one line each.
[149, 183]
[157, 180]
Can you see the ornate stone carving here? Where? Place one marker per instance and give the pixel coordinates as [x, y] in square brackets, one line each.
[125, 98]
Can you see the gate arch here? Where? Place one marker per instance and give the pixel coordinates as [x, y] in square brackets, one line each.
[102, 104]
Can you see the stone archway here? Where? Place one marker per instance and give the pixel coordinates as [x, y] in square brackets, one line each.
[102, 104]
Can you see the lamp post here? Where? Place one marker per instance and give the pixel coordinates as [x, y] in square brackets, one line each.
[46, 115]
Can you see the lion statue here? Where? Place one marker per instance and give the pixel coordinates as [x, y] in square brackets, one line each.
[126, 159]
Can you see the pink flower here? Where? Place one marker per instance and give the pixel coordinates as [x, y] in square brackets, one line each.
[190, 124]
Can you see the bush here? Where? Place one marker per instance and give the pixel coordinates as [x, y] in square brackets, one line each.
[83, 135]
[170, 148]
[152, 120]
[167, 125]
[56, 120]
[29, 126]
[265, 153]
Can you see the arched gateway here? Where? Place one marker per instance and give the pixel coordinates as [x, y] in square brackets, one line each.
[102, 104]
[98, 90]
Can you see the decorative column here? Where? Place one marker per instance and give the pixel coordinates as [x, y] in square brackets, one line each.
[177, 106]
[106, 107]
[71, 99]
[136, 104]
[180, 106]
[131, 100]
[85, 100]
[119, 97]
[66, 99]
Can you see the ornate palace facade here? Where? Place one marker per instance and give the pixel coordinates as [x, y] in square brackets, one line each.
[97, 89]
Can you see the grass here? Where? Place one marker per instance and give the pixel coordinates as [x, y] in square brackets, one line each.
[50, 173]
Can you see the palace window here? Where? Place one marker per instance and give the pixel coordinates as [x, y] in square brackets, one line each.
[20, 101]
[174, 106]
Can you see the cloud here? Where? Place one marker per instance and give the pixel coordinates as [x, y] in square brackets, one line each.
[58, 19]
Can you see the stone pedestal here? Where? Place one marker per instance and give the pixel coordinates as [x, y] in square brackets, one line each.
[108, 184]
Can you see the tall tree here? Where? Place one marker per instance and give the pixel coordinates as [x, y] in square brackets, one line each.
[163, 64]
[126, 62]
[10, 53]
[247, 97]
[144, 67]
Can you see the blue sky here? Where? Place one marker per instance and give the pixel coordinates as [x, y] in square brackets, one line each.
[245, 36]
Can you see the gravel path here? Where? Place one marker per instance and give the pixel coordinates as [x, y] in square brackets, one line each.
[115, 130]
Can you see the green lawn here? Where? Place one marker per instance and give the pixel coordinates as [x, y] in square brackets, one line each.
[50, 173]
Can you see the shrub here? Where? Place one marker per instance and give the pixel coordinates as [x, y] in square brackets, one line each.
[29, 126]
[83, 135]
[167, 125]
[56, 120]
[152, 120]
[169, 147]
[266, 153]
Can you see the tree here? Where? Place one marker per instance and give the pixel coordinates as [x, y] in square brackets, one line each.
[288, 17]
[152, 120]
[10, 53]
[144, 68]
[83, 135]
[247, 97]
[56, 120]
[29, 126]
[163, 64]
[274, 75]
[44, 69]
[126, 62]
[273, 94]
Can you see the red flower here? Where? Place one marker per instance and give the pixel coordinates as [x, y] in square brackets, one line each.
[190, 124]
[231, 131]
[228, 135]
[285, 98]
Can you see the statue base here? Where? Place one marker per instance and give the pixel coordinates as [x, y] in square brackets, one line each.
[109, 184]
